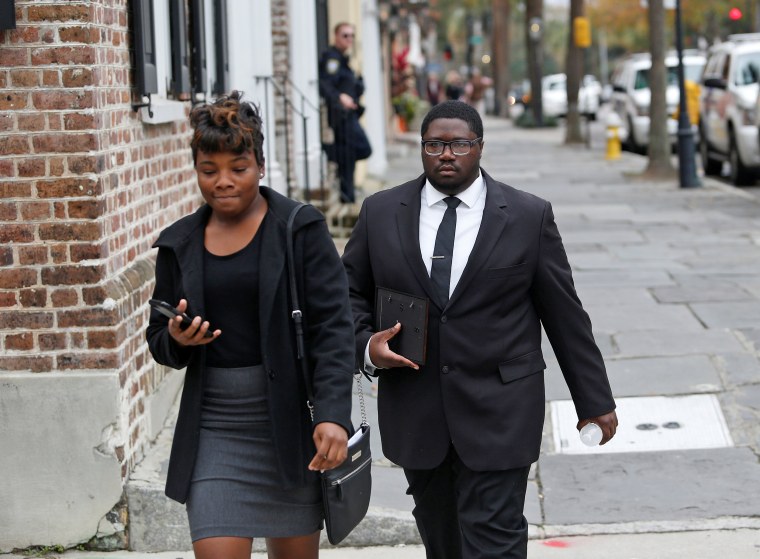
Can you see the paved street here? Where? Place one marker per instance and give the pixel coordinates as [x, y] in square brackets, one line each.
[671, 281]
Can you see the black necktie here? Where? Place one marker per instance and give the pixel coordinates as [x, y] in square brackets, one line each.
[440, 272]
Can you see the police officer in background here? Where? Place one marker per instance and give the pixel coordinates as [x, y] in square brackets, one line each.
[341, 89]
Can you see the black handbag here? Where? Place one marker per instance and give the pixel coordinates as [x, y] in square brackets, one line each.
[345, 489]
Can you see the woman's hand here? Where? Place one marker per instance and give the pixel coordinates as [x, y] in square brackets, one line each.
[195, 334]
[331, 441]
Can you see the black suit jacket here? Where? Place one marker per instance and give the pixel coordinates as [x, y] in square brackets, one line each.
[482, 387]
[329, 335]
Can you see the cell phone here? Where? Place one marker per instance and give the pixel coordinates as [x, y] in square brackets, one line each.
[170, 312]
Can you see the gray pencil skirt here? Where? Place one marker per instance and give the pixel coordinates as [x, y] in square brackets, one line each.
[235, 489]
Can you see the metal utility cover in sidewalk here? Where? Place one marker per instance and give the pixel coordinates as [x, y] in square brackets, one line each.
[649, 424]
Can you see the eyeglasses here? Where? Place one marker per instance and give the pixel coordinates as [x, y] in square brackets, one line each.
[347, 35]
[458, 147]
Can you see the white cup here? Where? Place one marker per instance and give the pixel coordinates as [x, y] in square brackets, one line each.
[591, 434]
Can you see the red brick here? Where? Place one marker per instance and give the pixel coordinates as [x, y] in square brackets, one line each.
[35, 211]
[25, 78]
[33, 297]
[79, 121]
[25, 35]
[15, 189]
[16, 233]
[29, 255]
[105, 339]
[29, 320]
[7, 299]
[86, 209]
[67, 187]
[69, 231]
[94, 296]
[64, 298]
[59, 253]
[62, 55]
[59, 210]
[19, 342]
[13, 100]
[17, 277]
[6, 168]
[51, 78]
[31, 122]
[78, 34]
[14, 145]
[72, 275]
[81, 165]
[36, 364]
[6, 256]
[64, 143]
[50, 342]
[69, 361]
[59, 12]
[81, 252]
[3, 77]
[77, 77]
[8, 211]
[56, 166]
[31, 167]
[13, 56]
[6, 121]
[96, 316]
[53, 100]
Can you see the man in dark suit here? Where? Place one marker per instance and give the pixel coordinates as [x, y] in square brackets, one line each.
[466, 425]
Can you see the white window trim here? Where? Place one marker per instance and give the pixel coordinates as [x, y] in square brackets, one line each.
[164, 110]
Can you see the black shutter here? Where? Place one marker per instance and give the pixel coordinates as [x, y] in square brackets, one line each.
[199, 47]
[222, 54]
[180, 64]
[146, 76]
[7, 14]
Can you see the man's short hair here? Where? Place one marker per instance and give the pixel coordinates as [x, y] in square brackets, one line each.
[342, 24]
[455, 109]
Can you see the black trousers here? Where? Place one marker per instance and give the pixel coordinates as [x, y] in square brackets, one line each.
[351, 145]
[463, 514]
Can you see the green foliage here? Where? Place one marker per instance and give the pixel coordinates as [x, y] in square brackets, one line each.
[526, 120]
[406, 105]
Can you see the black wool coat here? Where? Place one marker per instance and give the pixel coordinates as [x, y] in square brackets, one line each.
[323, 294]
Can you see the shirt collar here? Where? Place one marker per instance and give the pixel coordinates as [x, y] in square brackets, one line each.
[469, 196]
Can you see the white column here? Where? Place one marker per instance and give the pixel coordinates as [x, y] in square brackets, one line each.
[374, 93]
[304, 75]
[250, 55]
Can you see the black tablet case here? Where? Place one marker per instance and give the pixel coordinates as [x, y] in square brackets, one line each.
[412, 312]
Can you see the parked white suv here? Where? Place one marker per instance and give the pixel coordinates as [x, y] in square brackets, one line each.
[554, 96]
[727, 108]
[631, 96]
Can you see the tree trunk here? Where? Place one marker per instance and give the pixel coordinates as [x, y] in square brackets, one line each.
[574, 72]
[660, 164]
[500, 40]
[534, 12]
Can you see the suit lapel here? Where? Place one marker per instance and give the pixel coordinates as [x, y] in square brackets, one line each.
[408, 223]
[495, 218]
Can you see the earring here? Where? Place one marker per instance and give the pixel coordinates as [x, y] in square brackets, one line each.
[261, 175]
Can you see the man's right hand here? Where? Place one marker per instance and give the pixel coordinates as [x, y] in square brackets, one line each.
[347, 101]
[380, 353]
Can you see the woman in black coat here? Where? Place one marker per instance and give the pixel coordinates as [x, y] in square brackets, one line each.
[246, 454]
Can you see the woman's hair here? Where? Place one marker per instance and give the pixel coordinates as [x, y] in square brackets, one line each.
[227, 125]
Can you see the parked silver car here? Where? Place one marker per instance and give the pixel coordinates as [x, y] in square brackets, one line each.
[727, 108]
[631, 96]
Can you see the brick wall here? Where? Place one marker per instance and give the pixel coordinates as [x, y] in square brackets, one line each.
[283, 130]
[85, 187]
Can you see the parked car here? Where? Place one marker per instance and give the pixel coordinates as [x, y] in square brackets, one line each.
[631, 95]
[554, 96]
[728, 108]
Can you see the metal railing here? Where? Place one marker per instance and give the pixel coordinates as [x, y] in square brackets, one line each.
[289, 108]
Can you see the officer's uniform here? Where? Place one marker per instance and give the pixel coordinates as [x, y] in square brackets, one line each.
[351, 144]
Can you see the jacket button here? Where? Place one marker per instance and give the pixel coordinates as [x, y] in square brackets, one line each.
[444, 318]
[271, 373]
[445, 369]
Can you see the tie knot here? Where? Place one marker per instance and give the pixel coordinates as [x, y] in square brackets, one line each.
[452, 201]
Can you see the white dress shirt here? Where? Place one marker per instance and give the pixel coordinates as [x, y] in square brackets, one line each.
[469, 216]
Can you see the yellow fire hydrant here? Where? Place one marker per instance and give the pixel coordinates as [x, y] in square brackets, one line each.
[614, 147]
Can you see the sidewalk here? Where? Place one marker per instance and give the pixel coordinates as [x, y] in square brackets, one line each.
[671, 280]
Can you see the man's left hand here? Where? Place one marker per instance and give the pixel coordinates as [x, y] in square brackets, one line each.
[607, 423]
